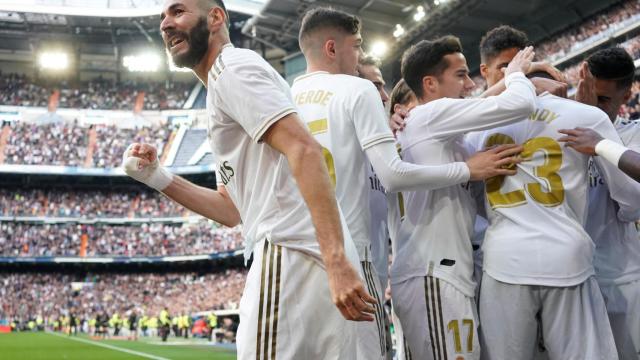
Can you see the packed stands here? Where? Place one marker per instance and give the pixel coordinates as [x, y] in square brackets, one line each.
[99, 93]
[67, 144]
[27, 295]
[147, 239]
[593, 29]
[87, 204]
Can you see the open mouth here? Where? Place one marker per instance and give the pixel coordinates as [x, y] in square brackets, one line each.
[175, 41]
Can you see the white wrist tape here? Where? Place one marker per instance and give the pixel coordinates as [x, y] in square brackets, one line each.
[152, 175]
[610, 150]
[160, 178]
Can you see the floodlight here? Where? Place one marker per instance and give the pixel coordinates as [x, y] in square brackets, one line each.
[379, 48]
[53, 60]
[419, 15]
[142, 63]
[399, 31]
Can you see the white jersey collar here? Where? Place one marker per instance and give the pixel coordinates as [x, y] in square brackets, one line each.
[309, 75]
[218, 65]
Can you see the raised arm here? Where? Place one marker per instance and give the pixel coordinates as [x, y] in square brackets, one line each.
[140, 161]
[306, 162]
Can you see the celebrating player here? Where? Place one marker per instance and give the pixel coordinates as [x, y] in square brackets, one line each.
[274, 179]
[432, 272]
[546, 271]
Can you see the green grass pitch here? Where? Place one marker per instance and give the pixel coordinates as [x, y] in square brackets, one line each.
[46, 346]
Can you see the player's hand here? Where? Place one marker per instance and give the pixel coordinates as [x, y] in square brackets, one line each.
[396, 121]
[499, 160]
[581, 139]
[521, 62]
[554, 87]
[543, 66]
[586, 92]
[348, 292]
[140, 161]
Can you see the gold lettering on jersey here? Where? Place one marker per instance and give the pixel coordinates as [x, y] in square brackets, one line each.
[318, 97]
[543, 115]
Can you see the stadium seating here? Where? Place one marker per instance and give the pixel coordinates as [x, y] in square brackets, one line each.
[155, 239]
[28, 295]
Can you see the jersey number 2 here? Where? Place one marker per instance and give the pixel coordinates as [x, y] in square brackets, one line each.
[547, 172]
[320, 127]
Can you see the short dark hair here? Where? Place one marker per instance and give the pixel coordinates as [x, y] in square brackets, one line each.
[322, 18]
[208, 4]
[613, 64]
[369, 60]
[500, 39]
[427, 58]
[401, 94]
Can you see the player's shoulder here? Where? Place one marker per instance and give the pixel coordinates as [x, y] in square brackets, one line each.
[572, 108]
[629, 131]
[237, 60]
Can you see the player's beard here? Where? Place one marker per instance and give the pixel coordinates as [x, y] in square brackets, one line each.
[198, 39]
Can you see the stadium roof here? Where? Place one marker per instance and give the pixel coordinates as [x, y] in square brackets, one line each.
[279, 21]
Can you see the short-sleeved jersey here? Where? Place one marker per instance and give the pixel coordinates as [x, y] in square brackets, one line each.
[435, 235]
[246, 96]
[536, 234]
[617, 243]
[345, 114]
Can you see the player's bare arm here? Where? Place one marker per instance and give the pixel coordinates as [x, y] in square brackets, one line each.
[591, 143]
[140, 161]
[306, 162]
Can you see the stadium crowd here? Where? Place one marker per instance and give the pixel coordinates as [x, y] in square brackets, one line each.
[593, 29]
[26, 296]
[156, 239]
[87, 204]
[66, 144]
[99, 93]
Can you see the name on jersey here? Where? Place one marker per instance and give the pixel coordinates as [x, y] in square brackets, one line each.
[319, 97]
[226, 172]
[543, 115]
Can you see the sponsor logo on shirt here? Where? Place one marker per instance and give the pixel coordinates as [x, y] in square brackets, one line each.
[226, 172]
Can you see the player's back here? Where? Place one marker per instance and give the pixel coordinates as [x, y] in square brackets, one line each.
[345, 114]
[536, 234]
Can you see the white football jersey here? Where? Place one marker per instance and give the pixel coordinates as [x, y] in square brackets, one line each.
[617, 244]
[345, 114]
[245, 97]
[536, 234]
[435, 235]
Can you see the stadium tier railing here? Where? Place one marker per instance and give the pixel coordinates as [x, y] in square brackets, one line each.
[119, 259]
[102, 220]
[78, 171]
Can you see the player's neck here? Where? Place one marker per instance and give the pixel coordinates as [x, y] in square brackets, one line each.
[202, 68]
[319, 66]
[427, 98]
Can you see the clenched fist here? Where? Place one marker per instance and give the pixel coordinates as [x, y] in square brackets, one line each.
[140, 161]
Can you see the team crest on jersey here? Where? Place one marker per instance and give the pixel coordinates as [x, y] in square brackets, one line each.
[594, 175]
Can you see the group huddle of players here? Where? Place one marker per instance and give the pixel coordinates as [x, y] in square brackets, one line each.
[510, 238]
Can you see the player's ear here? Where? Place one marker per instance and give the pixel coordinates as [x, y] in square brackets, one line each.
[484, 70]
[627, 95]
[429, 84]
[329, 48]
[216, 19]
